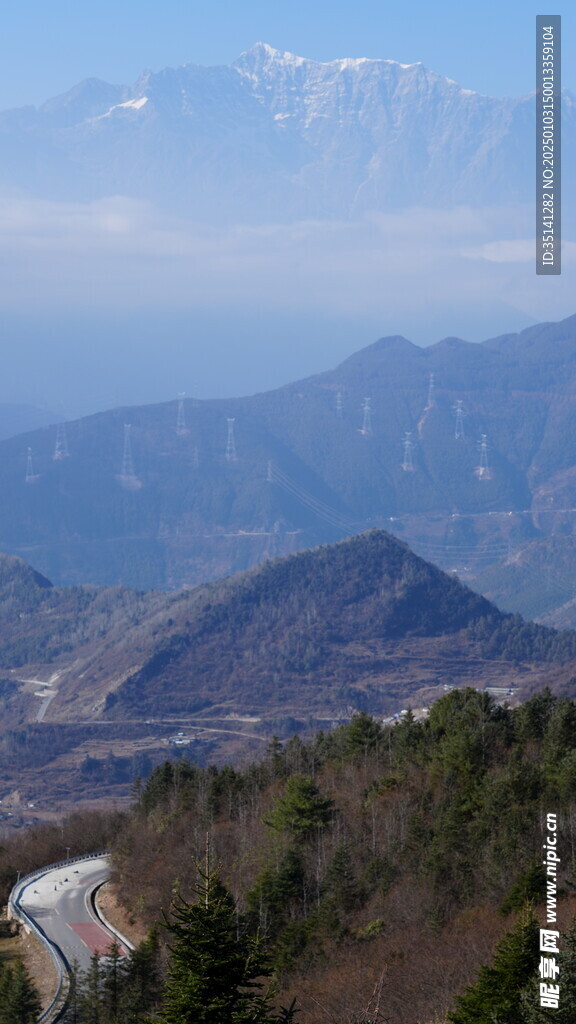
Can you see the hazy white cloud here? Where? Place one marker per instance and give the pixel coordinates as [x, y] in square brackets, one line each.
[122, 253]
[519, 250]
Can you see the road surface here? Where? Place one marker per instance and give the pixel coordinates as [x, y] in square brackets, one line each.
[58, 901]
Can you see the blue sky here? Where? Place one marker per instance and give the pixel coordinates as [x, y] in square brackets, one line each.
[48, 47]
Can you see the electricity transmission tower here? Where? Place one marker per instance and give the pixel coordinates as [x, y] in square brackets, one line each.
[127, 475]
[230, 442]
[459, 410]
[407, 461]
[61, 446]
[127, 460]
[181, 428]
[31, 477]
[366, 429]
[482, 471]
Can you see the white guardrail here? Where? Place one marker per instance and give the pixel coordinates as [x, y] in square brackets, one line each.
[52, 1013]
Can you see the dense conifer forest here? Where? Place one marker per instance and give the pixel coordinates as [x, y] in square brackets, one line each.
[376, 873]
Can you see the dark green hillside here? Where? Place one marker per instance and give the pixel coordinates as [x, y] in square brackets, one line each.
[362, 623]
[314, 627]
[374, 872]
[381, 865]
[309, 464]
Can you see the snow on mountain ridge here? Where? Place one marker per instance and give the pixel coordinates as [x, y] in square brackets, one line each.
[287, 58]
[274, 136]
[133, 104]
[263, 57]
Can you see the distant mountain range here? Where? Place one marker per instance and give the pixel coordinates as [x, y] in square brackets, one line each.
[17, 419]
[466, 451]
[276, 136]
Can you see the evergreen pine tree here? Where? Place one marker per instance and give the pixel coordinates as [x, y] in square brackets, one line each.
[566, 979]
[73, 1011]
[19, 1001]
[277, 894]
[339, 881]
[142, 987]
[301, 810]
[91, 994]
[113, 978]
[214, 975]
[496, 997]
[5, 981]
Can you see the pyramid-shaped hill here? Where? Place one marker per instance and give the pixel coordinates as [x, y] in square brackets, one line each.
[19, 582]
[364, 622]
[293, 644]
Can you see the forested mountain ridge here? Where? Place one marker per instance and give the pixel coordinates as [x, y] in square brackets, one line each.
[394, 866]
[390, 438]
[330, 627]
[382, 866]
[97, 683]
[296, 628]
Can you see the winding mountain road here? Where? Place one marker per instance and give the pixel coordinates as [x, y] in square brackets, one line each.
[59, 902]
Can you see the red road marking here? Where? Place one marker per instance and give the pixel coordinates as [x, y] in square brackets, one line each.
[97, 940]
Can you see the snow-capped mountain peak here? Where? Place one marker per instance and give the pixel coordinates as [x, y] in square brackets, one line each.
[278, 136]
[264, 56]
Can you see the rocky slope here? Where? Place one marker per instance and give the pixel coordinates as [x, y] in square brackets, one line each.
[276, 136]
